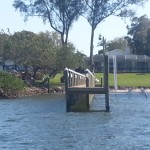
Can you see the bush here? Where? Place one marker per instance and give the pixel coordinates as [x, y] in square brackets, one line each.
[11, 83]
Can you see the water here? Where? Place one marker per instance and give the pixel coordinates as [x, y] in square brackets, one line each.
[41, 123]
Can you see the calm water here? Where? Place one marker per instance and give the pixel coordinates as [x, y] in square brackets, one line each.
[41, 123]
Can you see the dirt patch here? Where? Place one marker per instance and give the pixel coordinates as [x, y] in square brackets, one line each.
[29, 91]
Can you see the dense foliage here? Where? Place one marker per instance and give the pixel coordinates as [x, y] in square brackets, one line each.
[10, 83]
[41, 51]
[117, 43]
[139, 35]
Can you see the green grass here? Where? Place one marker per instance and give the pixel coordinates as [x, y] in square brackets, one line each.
[129, 79]
[56, 80]
[124, 79]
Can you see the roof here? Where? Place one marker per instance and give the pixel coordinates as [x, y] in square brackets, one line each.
[137, 58]
[118, 52]
[122, 56]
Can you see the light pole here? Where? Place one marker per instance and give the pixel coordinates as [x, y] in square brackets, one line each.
[102, 43]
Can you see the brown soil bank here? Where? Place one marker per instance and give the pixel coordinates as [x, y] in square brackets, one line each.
[29, 91]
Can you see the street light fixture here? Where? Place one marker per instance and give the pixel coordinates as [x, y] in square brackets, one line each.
[102, 42]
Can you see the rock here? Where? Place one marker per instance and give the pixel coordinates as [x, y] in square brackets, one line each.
[58, 90]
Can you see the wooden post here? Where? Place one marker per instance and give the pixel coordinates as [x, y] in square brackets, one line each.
[101, 81]
[87, 96]
[66, 90]
[106, 81]
[48, 84]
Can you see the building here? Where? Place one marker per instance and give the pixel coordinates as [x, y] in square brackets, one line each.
[10, 66]
[126, 62]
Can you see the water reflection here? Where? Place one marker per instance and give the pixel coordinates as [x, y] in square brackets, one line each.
[41, 123]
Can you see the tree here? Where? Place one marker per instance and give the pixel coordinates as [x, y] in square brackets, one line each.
[99, 10]
[44, 51]
[30, 49]
[60, 14]
[139, 35]
[117, 43]
[41, 51]
[1, 43]
[4, 44]
[81, 60]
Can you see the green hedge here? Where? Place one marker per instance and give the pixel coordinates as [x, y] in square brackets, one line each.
[11, 83]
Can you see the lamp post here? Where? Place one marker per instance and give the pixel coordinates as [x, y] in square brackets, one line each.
[102, 43]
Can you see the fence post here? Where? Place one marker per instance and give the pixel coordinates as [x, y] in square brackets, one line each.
[87, 82]
[48, 84]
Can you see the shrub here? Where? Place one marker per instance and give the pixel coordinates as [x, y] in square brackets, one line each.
[11, 83]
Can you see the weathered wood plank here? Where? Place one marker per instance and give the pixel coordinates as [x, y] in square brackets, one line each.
[106, 82]
[78, 86]
[87, 90]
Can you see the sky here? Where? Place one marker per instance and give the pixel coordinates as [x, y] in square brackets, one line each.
[79, 35]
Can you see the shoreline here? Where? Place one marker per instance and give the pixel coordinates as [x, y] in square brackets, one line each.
[32, 91]
[29, 91]
[136, 90]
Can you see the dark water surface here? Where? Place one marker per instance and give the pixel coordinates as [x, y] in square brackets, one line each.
[41, 123]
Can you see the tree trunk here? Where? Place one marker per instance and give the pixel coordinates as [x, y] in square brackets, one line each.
[66, 39]
[26, 71]
[34, 72]
[91, 50]
[53, 73]
[62, 39]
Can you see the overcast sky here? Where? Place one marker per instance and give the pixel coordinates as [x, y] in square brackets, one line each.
[79, 35]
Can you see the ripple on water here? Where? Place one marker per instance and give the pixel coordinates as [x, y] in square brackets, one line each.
[41, 123]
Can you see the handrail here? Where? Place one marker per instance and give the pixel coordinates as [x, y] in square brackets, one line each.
[73, 78]
[75, 72]
[87, 70]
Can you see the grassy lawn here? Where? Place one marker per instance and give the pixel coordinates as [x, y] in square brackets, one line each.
[129, 79]
[124, 79]
[56, 80]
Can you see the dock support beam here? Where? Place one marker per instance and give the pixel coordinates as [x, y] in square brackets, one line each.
[106, 82]
[87, 96]
[66, 90]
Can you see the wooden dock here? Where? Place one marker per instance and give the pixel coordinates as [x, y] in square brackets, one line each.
[80, 89]
[87, 90]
